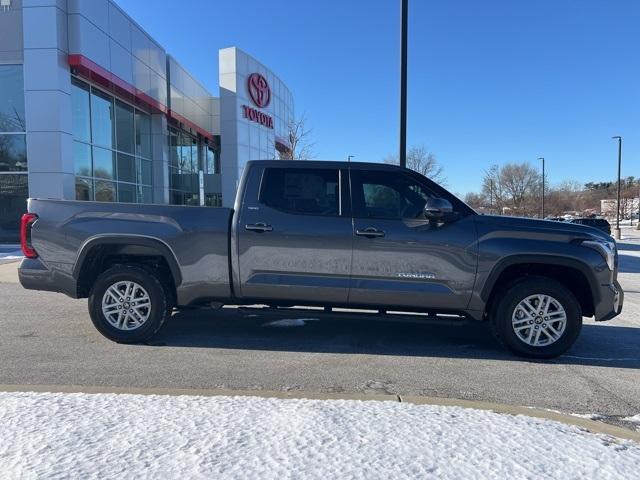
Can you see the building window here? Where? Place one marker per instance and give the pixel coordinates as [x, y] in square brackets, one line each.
[112, 147]
[213, 199]
[213, 160]
[13, 152]
[13, 196]
[12, 99]
[125, 132]
[184, 167]
[80, 111]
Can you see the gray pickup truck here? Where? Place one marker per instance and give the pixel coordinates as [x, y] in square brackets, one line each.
[329, 234]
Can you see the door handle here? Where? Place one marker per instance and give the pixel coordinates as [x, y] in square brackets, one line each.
[370, 232]
[258, 227]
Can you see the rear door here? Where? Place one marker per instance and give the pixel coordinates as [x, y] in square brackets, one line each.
[401, 259]
[295, 234]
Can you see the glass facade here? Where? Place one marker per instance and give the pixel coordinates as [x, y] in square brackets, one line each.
[188, 156]
[184, 167]
[14, 189]
[213, 160]
[112, 147]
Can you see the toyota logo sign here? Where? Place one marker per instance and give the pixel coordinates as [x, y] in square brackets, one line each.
[259, 90]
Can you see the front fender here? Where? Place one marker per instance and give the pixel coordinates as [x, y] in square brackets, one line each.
[538, 259]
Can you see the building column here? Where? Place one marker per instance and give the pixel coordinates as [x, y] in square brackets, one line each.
[160, 156]
[47, 81]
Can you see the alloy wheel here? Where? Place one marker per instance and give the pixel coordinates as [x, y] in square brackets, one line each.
[539, 320]
[126, 305]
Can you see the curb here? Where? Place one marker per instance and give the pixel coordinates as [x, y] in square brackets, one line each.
[590, 425]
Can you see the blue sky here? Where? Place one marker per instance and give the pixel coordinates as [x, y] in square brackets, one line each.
[490, 82]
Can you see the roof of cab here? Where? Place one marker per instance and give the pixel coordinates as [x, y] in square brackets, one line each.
[323, 163]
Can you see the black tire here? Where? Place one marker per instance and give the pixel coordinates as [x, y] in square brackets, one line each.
[503, 309]
[157, 314]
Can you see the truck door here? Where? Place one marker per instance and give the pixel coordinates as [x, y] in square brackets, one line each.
[295, 235]
[401, 259]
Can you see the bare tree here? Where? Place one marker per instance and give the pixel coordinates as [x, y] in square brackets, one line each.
[516, 191]
[476, 201]
[299, 137]
[514, 188]
[420, 160]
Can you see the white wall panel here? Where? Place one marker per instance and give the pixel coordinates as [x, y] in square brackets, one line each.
[119, 27]
[242, 139]
[88, 40]
[96, 11]
[121, 62]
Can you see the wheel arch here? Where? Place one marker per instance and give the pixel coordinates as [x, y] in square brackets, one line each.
[572, 273]
[129, 246]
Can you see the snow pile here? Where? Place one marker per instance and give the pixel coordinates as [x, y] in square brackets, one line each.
[11, 255]
[134, 436]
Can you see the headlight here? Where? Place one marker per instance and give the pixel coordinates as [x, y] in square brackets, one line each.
[605, 248]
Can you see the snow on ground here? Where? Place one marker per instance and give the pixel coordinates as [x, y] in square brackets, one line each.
[290, 322]
[588, 416]
[633, 419]
[45, 435]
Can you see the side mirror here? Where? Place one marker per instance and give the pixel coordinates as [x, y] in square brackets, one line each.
[436, 208]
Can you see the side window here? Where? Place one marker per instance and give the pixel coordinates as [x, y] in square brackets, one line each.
[304, 191]
[381, 194]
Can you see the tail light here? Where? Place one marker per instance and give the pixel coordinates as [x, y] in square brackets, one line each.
[25, 235]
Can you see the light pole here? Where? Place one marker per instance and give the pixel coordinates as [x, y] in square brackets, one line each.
[638, 226]
[542, 158]
[404, 13]
[617, 229]
[349, 157]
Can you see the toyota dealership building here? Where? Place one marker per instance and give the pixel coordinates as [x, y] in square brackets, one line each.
[93, 108]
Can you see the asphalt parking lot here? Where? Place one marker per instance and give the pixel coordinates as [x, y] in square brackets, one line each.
[48, 339]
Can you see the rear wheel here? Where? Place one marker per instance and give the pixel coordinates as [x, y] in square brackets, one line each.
[537, 317]
[128, 304]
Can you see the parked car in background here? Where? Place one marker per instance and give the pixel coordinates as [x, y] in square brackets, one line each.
[327, 234]
[599, 223]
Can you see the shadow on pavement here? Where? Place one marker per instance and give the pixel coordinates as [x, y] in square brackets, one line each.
[628, 246]
[598, 345]
[628, 264]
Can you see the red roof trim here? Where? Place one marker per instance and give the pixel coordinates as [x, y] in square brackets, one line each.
[94, 72]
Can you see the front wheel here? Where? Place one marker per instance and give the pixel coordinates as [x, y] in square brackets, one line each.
[537, 317]
[128, 304]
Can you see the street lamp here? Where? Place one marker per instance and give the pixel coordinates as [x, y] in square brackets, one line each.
[638, 226]
[617, 229]
[349, 157]
[542, 158]
[404, 13]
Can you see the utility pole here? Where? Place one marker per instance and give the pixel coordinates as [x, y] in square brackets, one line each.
[542, 158]
[404, 13]
[617, 229]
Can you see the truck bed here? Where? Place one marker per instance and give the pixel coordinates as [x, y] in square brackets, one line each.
[195, 241]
